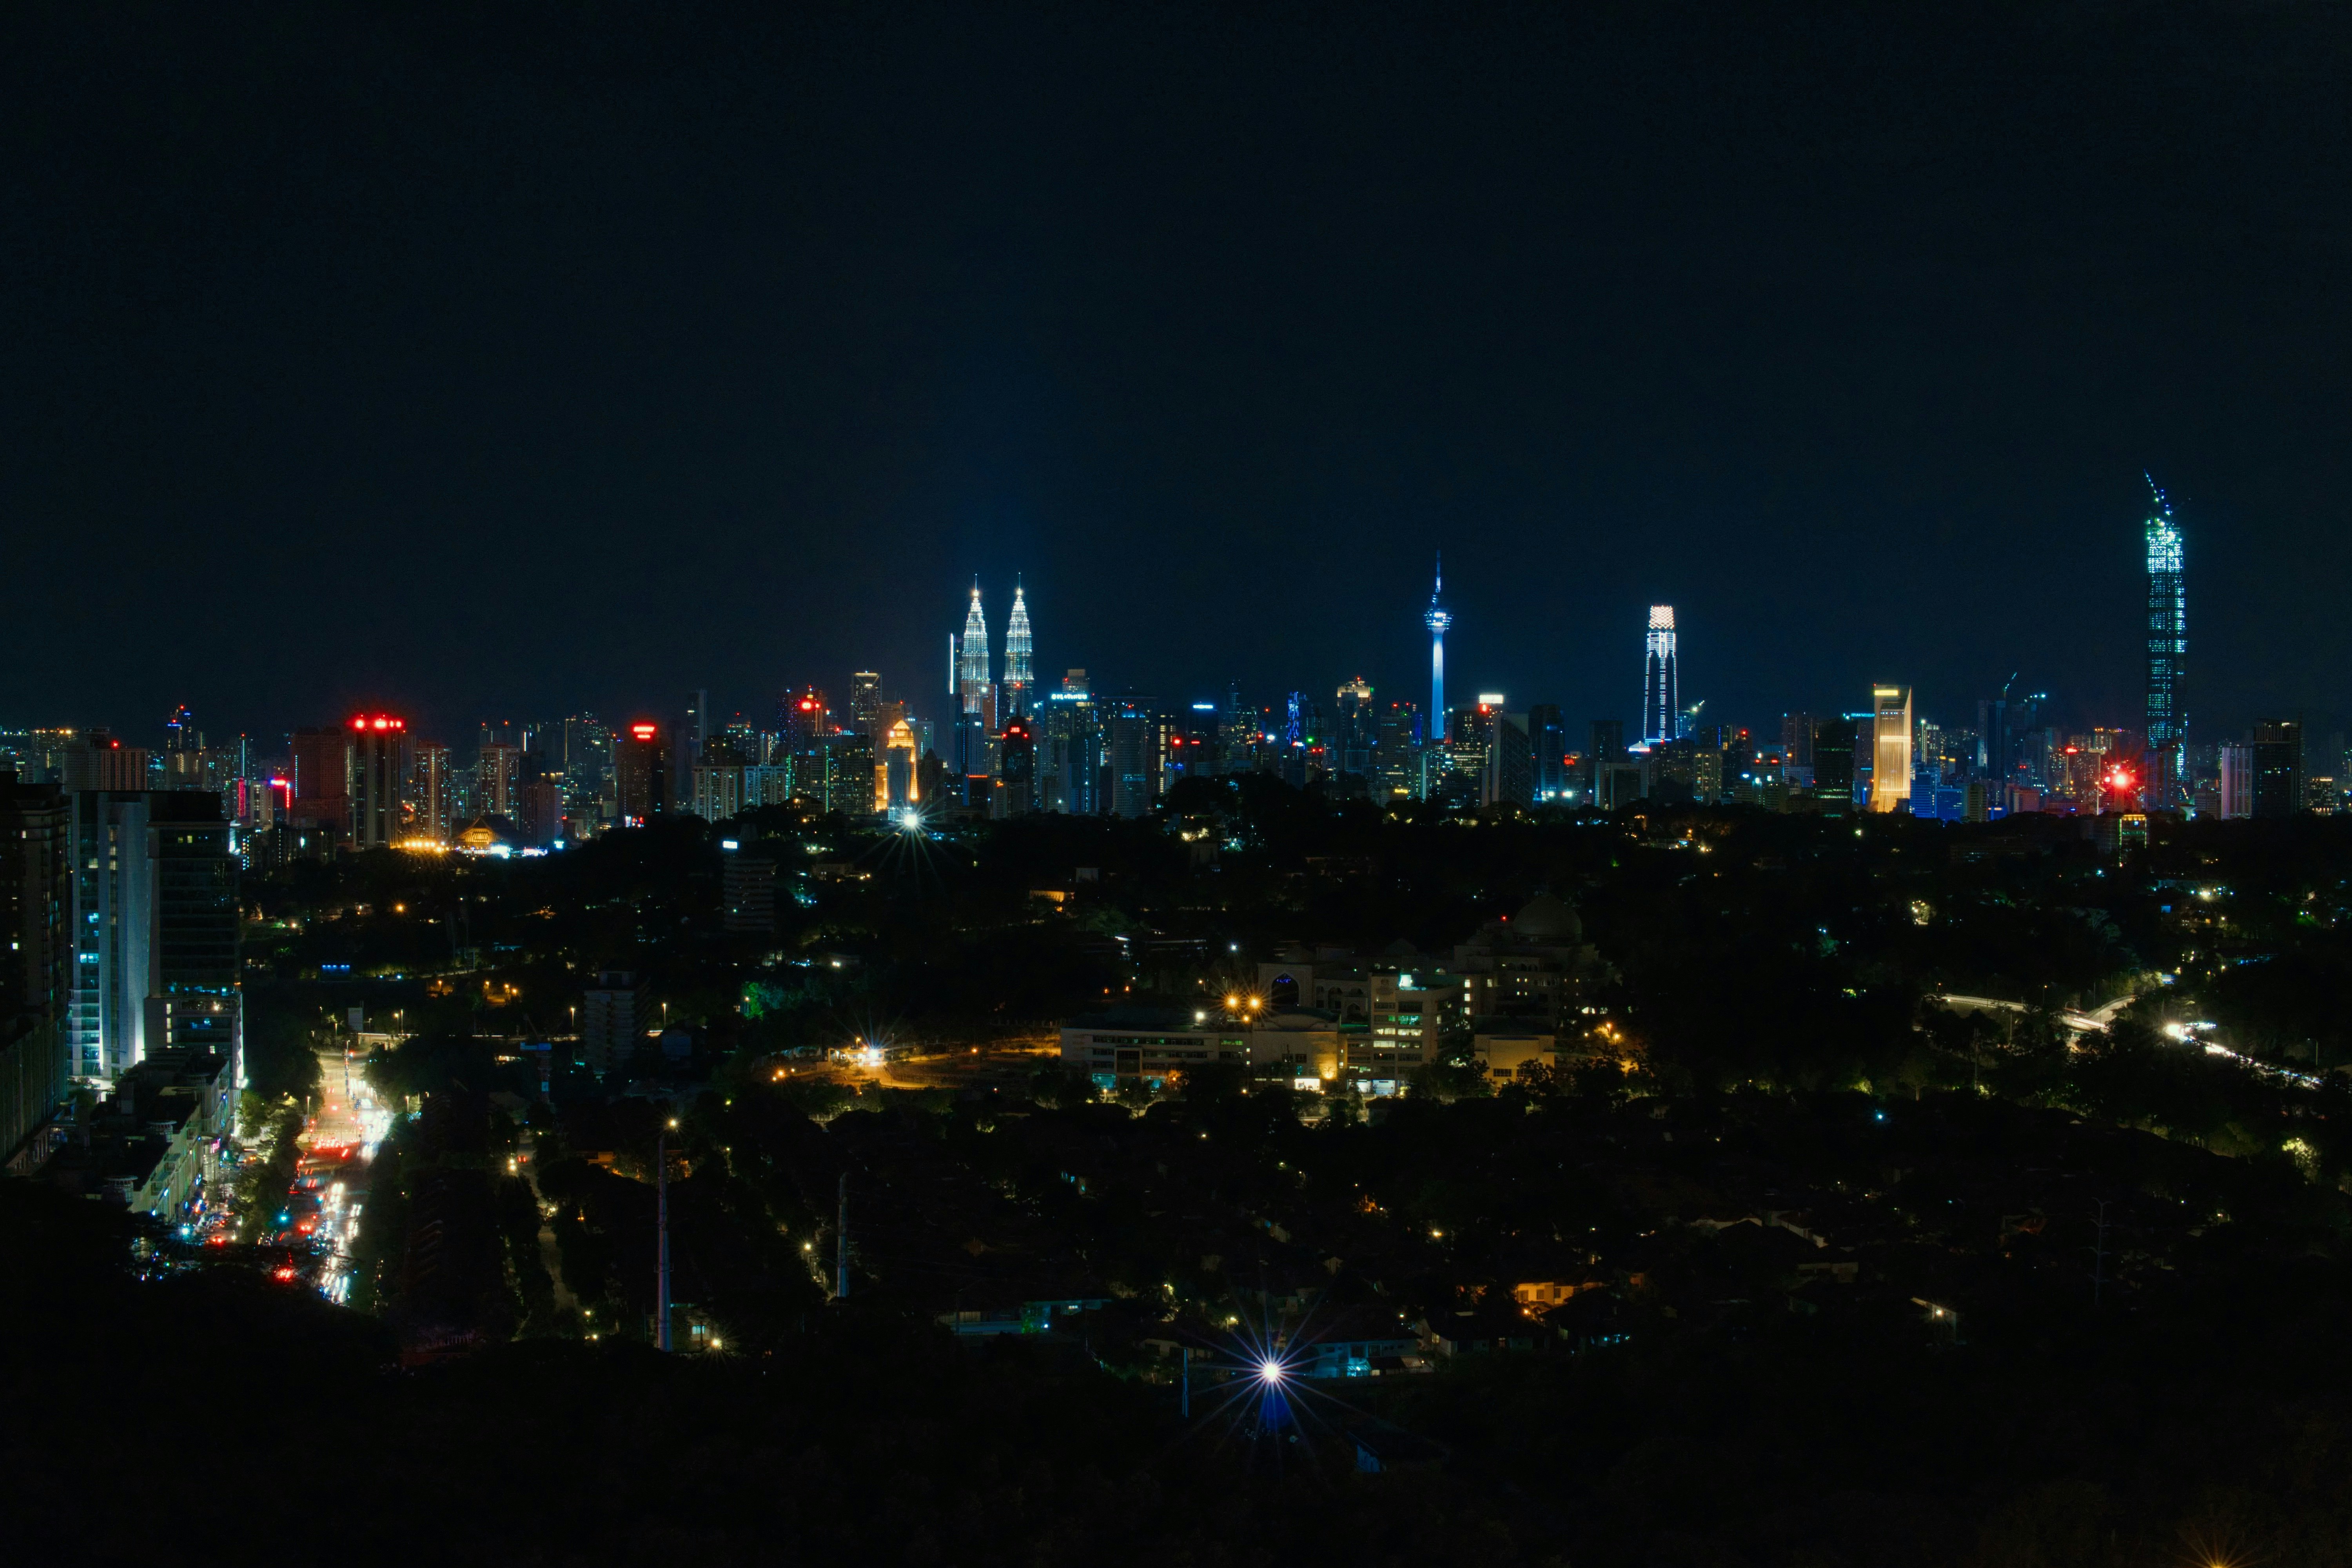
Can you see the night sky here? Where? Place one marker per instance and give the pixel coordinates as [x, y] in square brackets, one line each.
[514, 359]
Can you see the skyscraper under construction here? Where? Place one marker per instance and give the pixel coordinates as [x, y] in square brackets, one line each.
[2167, 651]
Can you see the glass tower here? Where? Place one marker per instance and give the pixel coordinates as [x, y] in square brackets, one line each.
[1661, 695]
[1019, 680]
[2167, 650]
[972, 656]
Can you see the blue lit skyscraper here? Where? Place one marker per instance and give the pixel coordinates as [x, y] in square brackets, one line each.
[1438, 618]
[2167, 650]
[1661, 692]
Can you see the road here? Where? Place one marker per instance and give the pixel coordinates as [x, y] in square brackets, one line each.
[337, 1145]
[2081, 1023]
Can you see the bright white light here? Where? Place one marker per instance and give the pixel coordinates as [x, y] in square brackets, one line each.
[1269, 1370]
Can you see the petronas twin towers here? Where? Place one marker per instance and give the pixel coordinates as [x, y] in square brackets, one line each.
[968, 676]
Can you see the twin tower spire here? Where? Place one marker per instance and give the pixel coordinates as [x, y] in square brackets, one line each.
[967, 665]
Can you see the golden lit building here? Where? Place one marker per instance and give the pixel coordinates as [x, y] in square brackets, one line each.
[897, 756]
[1890, 763]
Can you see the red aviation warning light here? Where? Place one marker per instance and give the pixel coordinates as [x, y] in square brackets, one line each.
[643, 731]
[380, 723]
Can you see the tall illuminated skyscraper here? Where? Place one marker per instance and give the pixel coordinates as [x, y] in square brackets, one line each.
[1661, 687]
[2167, 651]
[1438, 618]
[1019, 682]
[971, 658]
[1891, 759]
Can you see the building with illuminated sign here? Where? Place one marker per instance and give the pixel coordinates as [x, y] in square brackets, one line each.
[375, 770]
[641, 772]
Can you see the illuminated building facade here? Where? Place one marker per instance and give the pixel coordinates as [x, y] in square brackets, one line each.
[897, 774]
[971, 683]
[1020, 680]
[2168, 652]
[1661, 677]
[641, 770]
[376, 768]
[1437, 619]
[1890, 763]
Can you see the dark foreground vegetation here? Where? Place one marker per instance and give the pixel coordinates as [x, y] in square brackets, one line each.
[1792, 1260]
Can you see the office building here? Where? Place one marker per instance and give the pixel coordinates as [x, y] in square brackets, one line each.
[865, 702]
[2168, 654]
[2278, 768]
[641, 773]
[1134, 775]
[1015, 794]
[1068, 774]
[35, 967]
[1510, 772]
[193, 994]
[1020, 679]
[1437, 619]
[375, 770]
[1661, 677]
[1604, 746]
[1548, 742]
[1890, 767]
[322, 802]
[1835, 742]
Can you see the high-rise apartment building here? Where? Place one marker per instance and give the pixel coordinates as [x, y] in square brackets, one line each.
[1020, 679]
[375, 770]
[497, 781]
[1604, 747]
[37, 964]
[1661, 677]
[2167, 654]
[431, 792]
